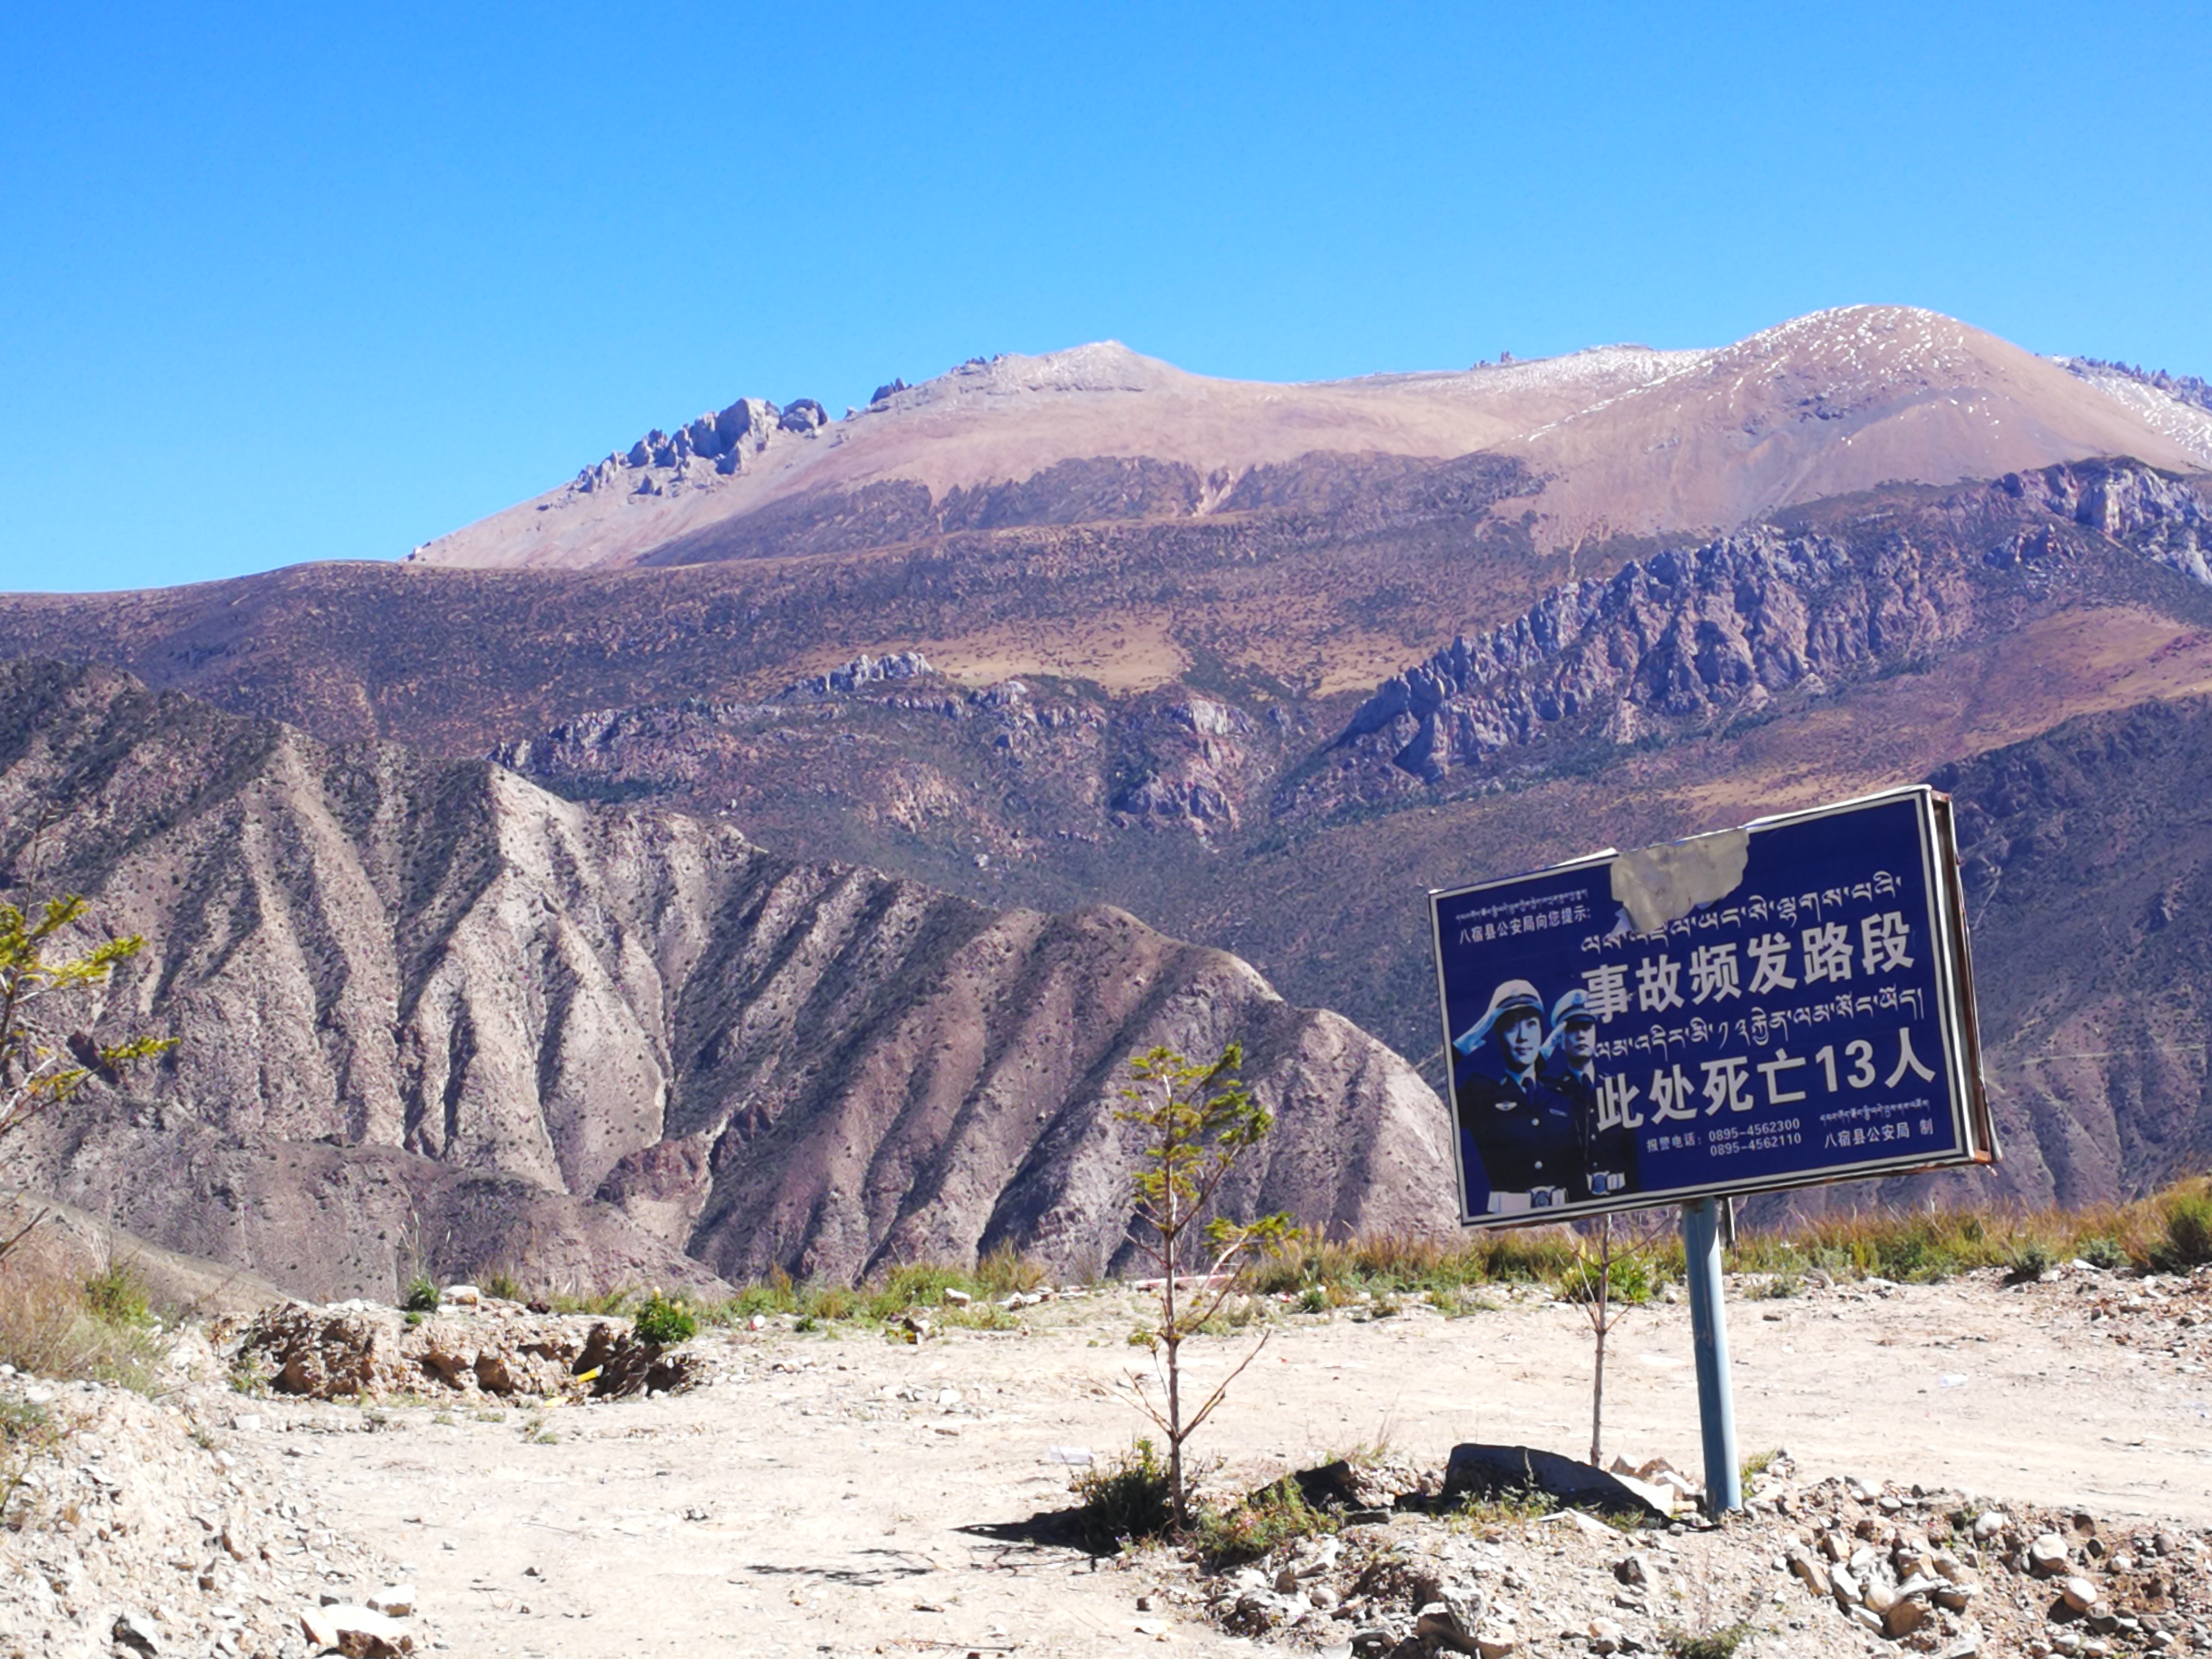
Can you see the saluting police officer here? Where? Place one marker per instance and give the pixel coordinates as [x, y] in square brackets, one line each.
[1518, 1139]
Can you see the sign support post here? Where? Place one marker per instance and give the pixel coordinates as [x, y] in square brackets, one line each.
[1701, 1252]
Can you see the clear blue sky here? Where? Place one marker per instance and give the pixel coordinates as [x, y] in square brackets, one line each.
[309, 283]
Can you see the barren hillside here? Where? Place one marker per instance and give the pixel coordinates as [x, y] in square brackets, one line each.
[428, 1011]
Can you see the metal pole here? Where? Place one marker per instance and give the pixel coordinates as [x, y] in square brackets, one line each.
[1701, 1252]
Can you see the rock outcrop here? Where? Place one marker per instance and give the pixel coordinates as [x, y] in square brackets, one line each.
[1669, 642]
[1746, 625]
[729, 439]
[363, 1350]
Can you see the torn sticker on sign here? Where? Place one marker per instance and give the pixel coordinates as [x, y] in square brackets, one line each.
[1656, 884]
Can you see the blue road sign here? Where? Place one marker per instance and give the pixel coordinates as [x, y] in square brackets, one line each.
[1770, 1006]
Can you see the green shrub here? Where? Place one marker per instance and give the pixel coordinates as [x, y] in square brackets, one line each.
[20, 1419]
[2027, 1262]
[1480, 1511]
[1720, 1643]
[1268, 1518]
[1123, 1500]
[828, 1302]
[2102, 1252]
[117, 1295]
[1005, 1271]
[422, 1296]
[662, 1319]
[49, 1328]
[503, 1285]
[2188, 1240]
[1756, 1464]
[1628, 1280]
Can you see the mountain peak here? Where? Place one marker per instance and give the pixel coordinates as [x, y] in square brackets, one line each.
[1628, 441]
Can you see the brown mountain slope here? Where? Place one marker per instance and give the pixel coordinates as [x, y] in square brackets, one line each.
[1625, 441]
[601, 1037]
[2088, 862]
[1864, 642]
[1859, 641]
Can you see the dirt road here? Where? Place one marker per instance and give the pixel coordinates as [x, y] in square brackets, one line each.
[838, 1492]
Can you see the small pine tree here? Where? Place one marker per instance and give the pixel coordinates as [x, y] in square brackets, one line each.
[52, 1001]
[1197, 1121]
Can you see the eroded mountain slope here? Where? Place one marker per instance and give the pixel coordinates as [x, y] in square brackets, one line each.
[637, 1023]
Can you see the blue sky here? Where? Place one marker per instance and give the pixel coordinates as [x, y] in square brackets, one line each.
[283, 284]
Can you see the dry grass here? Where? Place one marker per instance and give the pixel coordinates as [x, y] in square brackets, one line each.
[883, 1298]
[2170, 1230]
[58, 1327]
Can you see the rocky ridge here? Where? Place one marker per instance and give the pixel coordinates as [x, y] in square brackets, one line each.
[729, 439]
[1629, 441]
[1743, 625]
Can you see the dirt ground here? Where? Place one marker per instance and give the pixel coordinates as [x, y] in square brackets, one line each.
[845, 1493]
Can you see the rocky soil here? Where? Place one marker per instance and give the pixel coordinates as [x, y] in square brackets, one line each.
[134, 1527]
[2021, 1468]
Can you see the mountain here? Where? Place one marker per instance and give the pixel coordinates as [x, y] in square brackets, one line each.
[1620, 441]
[1260, 697]
[427, 1009]
[1854, 644]
[2087, 854]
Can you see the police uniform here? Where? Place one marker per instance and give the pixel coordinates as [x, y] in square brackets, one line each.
[1606, 1160]
[1520, 1136]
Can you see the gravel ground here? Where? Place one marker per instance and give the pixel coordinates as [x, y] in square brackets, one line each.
[839, 1491]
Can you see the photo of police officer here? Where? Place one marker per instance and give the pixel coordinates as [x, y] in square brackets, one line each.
[1519, 1139]
[1568, 1068]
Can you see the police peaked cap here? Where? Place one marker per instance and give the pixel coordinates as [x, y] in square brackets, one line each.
[1573, 1005]
[1515, 993]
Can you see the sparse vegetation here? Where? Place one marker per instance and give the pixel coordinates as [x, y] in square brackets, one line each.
[1274, 1516]
[2169, 1231]
[119, 1295]
[2186, 1241]
[1478, 1513]
[2102, 1252]
[1721, 1643]
[27, 1433]
[1756, 1464]
[53, 1326]
[1124, 1501]
[665, 1320]
[422, 1296]
[1373, 1277]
